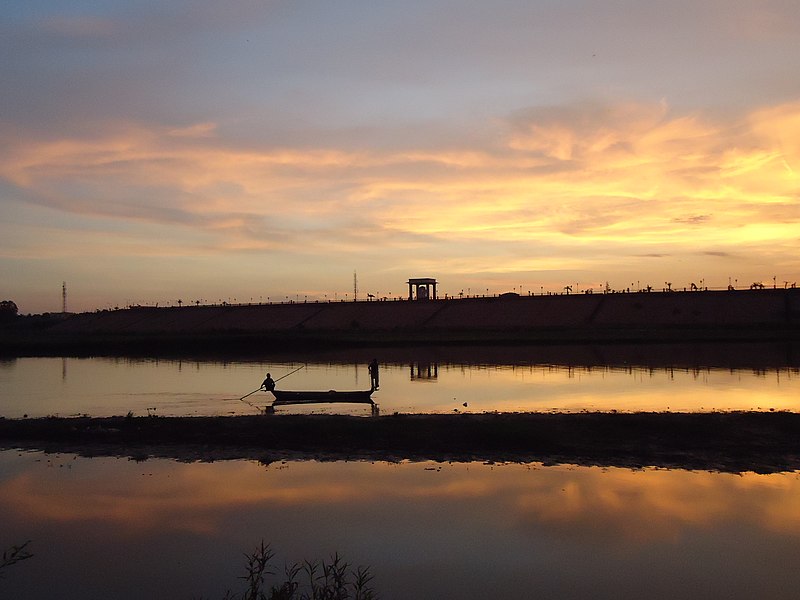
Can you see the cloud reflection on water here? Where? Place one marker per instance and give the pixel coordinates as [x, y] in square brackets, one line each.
[567, 500]
[104, 387]
[515, 525]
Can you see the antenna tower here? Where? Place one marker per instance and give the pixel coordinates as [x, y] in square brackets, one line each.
[355, 286]
[63, 296]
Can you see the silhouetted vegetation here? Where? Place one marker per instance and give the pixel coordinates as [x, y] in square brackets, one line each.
[8, 310]
[14, 555]
[331, 580]
[327, 580]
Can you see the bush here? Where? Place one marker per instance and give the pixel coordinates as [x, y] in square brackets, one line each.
[8, 310]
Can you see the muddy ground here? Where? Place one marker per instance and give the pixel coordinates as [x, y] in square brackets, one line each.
[728, 442]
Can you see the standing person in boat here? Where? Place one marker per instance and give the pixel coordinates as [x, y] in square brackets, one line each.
[269, 383]
[373, 374]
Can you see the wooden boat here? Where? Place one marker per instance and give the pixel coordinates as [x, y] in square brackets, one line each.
[284, 397]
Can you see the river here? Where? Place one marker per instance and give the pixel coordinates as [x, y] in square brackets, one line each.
[118, 528]
[179, 387]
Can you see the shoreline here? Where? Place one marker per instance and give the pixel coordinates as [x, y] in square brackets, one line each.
[234, 343]
[761, 354]
[732, 442]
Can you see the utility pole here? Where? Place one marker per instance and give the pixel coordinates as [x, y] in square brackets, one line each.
[355, 287]
[63, 296]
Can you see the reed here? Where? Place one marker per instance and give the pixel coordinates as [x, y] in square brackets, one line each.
[14, 555]
[333, 579]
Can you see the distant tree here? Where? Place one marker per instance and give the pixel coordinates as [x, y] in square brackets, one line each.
[8, 310]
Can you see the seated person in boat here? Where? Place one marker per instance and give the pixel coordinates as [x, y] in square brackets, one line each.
[268, 384]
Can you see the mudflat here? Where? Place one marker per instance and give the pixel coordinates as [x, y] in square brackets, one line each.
[762, 442]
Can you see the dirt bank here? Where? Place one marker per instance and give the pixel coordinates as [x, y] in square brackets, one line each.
[731, 442]
[750, 315]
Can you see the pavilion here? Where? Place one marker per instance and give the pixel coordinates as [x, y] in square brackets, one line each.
[422, 288]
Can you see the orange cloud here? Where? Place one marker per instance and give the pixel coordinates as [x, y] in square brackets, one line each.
[580, 188]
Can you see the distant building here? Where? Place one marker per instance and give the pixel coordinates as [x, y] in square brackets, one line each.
[422, 288]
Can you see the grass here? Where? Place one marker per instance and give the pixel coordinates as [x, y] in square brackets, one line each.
[14, 555]
[327, 580]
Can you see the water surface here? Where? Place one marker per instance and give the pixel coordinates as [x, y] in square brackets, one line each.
[116, 528]
[114, 386]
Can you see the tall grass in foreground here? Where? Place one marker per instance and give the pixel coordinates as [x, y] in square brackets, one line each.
[331, 580]
[328, 580]
[13, 555]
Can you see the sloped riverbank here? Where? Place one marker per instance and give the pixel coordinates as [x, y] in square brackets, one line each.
[742, 315]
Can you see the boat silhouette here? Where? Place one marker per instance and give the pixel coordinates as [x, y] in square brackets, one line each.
[286, 397]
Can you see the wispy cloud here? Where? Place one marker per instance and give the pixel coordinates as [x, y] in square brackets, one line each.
[551, 140]
[575, 193]
[618, 172]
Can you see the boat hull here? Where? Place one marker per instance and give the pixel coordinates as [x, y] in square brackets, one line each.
[284, 397]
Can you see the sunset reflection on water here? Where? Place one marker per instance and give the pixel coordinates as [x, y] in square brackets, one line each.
[114, 386]
[429, 530]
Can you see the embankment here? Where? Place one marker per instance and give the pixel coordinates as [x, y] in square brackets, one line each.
[768, 314]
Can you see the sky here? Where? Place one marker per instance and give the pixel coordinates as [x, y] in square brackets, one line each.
[264, 150]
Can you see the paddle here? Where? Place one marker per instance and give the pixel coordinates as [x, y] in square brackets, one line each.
[261, 387]
[251, 393]
[285, 376]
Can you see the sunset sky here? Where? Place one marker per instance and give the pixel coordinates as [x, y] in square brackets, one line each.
[156, 150]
